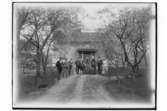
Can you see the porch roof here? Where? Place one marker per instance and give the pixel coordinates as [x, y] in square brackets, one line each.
[86, 50]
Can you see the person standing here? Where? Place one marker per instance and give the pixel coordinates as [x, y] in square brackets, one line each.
[99, 65]
[70, 63]
[64, 68]
[77, 66]
[105, 66]
[59, 67]
[93, 64]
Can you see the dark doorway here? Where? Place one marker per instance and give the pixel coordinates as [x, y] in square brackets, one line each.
[86, 55]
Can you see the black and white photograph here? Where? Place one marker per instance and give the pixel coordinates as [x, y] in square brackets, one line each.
[84, 55]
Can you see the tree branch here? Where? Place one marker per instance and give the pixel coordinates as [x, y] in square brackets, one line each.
[30, 39]
[141, 57]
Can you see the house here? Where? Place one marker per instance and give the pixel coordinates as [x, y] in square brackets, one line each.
[78, 44]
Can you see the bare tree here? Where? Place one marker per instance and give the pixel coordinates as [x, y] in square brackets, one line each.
[131, 29]
[42, 29]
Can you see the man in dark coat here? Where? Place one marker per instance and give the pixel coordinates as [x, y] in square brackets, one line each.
[70, 66]
[59, 68]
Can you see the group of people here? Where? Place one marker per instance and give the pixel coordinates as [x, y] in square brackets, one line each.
[64, 68]
[89, 65]
[81, 66]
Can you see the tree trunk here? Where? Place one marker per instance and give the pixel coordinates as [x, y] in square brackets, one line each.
[44, 66]
[126, 58]
[135, 68]
[38, 66]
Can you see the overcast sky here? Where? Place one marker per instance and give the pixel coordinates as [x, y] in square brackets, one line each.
[96, 16]
[89, 14]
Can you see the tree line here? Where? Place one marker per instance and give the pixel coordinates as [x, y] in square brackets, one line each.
[37, 31]
[130, 32]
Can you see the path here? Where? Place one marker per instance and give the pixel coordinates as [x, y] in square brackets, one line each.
[82, 89]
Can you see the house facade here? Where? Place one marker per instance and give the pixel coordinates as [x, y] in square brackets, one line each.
[79, 44]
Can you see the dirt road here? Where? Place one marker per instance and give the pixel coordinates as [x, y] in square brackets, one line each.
[78, 88]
